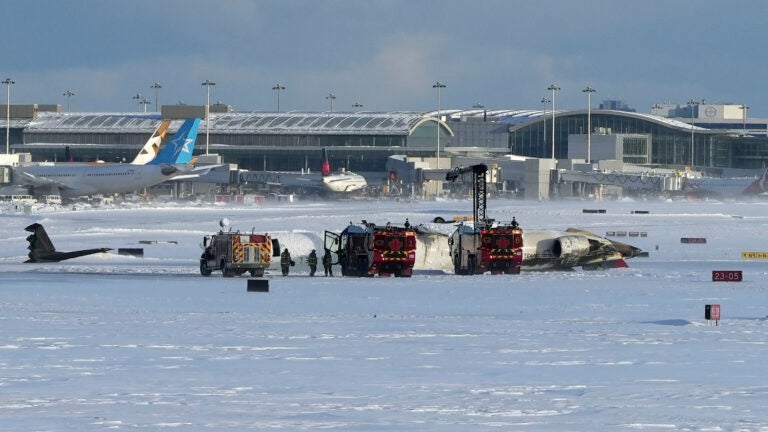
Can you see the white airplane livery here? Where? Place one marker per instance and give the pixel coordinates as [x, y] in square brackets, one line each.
[341, 182]
[152, 147]
[72, 180]
[325, 181]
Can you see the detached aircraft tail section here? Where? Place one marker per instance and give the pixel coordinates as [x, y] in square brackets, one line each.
[41, 247]
[179, 148]
[758, 186]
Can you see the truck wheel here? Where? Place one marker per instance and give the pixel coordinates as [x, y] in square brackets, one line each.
[513, 270]
[204, 270]
[457, 265]
[472, 264]
[226, 271]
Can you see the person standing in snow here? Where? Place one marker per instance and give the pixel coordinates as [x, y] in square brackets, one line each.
[312, 261]
[328, 263]
[285, 261]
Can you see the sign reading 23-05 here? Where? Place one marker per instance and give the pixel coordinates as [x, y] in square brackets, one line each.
[726, 276]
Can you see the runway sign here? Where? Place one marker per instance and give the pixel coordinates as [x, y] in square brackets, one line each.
[712, 313]
[135, 252]
[726, 276]
[693, 240]
[754, 255]
[258, 285]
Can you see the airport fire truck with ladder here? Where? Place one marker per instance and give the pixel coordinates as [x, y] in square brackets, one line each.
[485, 245]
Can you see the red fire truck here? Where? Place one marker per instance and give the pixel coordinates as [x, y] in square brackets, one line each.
[497, 248]
[367, 249]
[484, 245]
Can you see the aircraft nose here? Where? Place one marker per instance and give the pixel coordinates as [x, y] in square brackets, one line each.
[169, 170]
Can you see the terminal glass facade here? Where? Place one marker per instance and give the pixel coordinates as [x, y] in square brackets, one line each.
[670, 143]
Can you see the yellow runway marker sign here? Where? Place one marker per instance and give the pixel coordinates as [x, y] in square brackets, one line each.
[754, 255]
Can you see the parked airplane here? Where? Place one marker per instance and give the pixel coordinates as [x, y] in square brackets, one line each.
[733, 187]
[72, 180]
[324, 181]
[41, 248]
[346, 181]
[543, 250]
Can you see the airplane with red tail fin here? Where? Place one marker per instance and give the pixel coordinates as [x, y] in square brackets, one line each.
[324, 181]
[345, 181]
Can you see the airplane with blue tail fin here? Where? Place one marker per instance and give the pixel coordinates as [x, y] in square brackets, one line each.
[180, 146]
[73, 180]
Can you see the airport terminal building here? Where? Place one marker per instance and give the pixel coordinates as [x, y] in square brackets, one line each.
[364, 141]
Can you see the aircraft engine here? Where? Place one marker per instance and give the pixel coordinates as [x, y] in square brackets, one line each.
[569, 247]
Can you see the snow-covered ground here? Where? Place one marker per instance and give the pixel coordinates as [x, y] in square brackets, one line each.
[109, 341]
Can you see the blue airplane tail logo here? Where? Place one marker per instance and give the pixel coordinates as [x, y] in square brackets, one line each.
[179, 148]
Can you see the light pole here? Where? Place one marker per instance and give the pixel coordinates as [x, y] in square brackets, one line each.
[8, 82]
[331, 97]
[554, 88]
[207, 84]
[357, 105]
[277, 87]
[138, 98]
[692, 103]
[478, 105]
[145, 102]
[589, 90]
[156, 86]
[544, 102]
[744, 109]
[438, 85]
[68, 94]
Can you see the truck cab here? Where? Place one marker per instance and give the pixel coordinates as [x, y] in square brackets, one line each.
[368, 250]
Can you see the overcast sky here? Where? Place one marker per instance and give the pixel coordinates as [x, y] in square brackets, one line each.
[384, 54]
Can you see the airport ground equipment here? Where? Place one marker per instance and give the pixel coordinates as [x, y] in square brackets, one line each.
[367, 249]
[484, 245]
[235, 253]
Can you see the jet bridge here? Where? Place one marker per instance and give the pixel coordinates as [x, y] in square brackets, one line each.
[652, 182]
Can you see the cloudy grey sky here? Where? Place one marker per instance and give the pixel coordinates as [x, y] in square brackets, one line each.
[384, 54]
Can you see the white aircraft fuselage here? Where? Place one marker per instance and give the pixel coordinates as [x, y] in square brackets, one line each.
[344, 182]
[543, 250]
[79, 180]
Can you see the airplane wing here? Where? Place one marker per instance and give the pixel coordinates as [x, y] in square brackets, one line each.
[37, 182]
[188, 172]
[305, 181]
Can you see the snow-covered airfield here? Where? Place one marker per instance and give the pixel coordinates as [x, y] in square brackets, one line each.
[109, 341]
